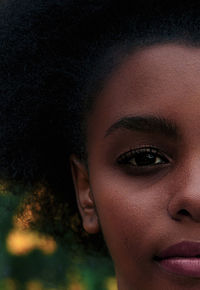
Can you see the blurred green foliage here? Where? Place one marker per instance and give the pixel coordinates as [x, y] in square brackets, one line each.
[37, 270]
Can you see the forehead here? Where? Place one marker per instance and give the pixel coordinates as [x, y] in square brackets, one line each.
[153, 80]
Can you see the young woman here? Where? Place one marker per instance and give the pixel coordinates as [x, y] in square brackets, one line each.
[108, 94]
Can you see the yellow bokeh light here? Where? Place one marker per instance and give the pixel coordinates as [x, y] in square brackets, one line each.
[34, 285]
[76, 286]
[47, 245]
[10, 284]
[22, 242]
[111, 283]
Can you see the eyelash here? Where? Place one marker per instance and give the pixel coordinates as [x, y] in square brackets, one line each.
[134, 153]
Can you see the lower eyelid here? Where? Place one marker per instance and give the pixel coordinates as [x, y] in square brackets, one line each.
[145, 171]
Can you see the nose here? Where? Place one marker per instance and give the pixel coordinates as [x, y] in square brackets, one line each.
[184, 203]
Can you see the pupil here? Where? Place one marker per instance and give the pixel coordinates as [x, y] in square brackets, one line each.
[145, 159]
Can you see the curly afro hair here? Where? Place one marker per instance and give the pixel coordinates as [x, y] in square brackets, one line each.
[54, 57]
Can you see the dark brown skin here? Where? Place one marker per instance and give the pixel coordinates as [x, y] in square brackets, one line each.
[139, 207]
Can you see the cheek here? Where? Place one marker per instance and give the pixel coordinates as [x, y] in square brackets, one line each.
[128, 214]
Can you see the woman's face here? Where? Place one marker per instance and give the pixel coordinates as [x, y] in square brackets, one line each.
[143, 187]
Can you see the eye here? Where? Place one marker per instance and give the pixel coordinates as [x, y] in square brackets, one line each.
[143, 157]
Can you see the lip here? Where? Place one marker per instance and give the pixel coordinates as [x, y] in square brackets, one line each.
[182, 249]
[182, 259]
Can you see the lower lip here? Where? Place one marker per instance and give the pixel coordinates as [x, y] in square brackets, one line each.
[182, 266]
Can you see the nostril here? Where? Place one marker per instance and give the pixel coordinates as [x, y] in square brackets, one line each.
[184, 212]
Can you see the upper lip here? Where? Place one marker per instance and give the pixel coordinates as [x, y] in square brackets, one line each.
[182, 249]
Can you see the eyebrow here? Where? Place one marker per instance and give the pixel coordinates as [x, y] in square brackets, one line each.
[146, 124]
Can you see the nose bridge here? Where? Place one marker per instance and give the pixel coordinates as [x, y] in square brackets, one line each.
[191, 177]
[185, 197]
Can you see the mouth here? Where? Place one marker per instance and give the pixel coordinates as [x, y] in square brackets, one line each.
[182, 259]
